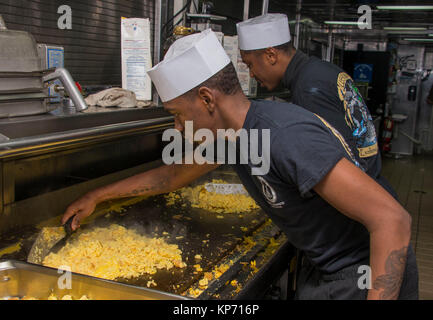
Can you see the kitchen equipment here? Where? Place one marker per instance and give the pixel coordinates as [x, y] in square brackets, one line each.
[22, 77]
[406, 100]
[18, 52]
[19, 279]
[52, 57]
[20, 81]
[44, 245]
[218, 238]
[226, 188]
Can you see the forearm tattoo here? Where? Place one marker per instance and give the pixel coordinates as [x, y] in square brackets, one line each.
[138, 191]
[133, 193]
[391, 281]
[156, 187]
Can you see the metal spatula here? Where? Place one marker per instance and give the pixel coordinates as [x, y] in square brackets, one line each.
[226, 188]
[50, 239]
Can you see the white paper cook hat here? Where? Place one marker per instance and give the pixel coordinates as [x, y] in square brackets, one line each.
[189, 61]
[264, 31]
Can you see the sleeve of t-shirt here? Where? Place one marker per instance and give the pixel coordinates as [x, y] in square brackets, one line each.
[305, 153]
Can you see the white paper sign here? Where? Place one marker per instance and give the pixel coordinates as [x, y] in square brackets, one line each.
[136, 57]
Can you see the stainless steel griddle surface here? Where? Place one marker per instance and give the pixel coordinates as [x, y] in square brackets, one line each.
[196, 232]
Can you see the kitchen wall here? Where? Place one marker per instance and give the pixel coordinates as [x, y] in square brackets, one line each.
[92, 46]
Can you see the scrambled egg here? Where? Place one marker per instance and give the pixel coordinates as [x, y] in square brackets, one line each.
[115, 252]
[199, 197]
[207, 278]
[53, 233]
[50, 297]
[11, 249]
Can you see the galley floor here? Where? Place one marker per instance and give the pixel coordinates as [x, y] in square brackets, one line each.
[412, 179]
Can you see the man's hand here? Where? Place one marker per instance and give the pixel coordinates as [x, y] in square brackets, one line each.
[81, 208]
[153, 182]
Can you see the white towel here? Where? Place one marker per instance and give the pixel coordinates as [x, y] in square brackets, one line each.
[113, 97]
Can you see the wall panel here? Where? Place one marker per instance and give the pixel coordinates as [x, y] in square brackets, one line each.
[92, 47]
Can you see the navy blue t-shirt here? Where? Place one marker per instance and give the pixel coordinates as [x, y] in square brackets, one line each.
[326, 90]
[303, 150]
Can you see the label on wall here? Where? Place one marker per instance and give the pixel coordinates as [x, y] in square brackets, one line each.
[363, 72]
[248, 84]
[136, 57]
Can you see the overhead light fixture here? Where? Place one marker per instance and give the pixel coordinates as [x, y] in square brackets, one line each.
[306, 20]
[418, 40]
[344, 23]
[404, 7]
[405, 28]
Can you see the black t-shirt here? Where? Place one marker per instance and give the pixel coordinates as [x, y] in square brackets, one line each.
[326, 90]
[303, 149]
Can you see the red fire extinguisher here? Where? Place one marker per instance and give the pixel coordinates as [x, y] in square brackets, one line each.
[388, 126]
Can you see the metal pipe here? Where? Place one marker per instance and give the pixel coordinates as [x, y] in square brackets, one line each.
[329, 49]
[157, 42]
[298, 24]
[246, 9]
[65, 77]
[177, 5]
[265, 6]
[193, 6]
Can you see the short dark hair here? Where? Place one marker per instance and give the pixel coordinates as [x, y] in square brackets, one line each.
[285, 47]
[225, 81]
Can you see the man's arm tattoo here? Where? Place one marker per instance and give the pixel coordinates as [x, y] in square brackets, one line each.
[391, 281]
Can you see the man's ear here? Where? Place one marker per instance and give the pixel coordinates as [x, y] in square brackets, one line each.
[207, 97]
[271, 56]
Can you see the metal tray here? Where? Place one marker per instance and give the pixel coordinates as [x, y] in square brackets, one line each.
[5, 98]
[21, 80]
[19, 279]
[23, 107]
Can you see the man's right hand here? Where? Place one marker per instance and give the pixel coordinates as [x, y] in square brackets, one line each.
[153, 182]
[81, 208]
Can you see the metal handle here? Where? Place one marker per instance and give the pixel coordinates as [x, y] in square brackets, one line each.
[68, 83]
[265, 6]
[68, 225]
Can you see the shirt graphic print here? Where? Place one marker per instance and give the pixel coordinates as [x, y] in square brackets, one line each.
[357, 116]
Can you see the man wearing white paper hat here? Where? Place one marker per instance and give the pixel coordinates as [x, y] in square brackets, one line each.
[318, 86]
[310, 163]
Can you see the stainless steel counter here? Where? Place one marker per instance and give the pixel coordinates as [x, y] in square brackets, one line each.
[19, 279]
[24, 135]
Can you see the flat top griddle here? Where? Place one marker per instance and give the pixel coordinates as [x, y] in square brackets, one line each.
[195, 231]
